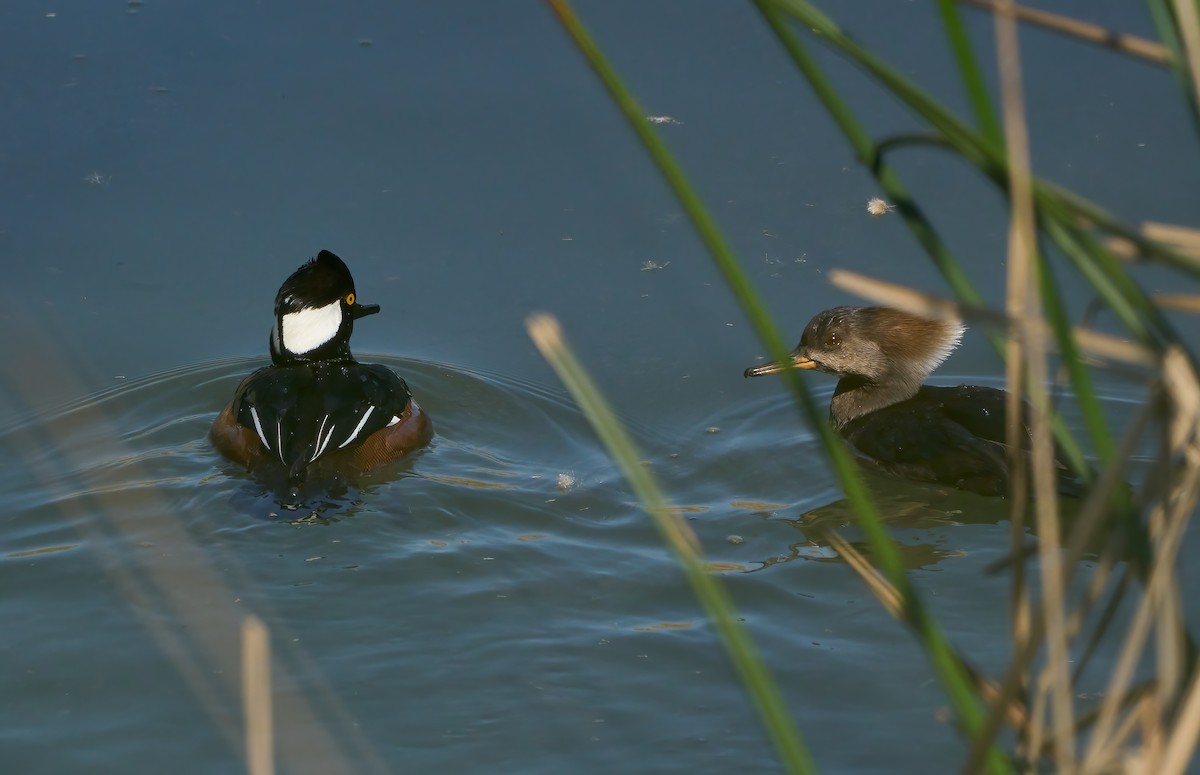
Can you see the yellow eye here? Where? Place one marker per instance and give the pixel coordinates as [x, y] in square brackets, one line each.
[350, 298]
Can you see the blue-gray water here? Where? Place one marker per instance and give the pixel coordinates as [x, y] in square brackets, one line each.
[496, 602]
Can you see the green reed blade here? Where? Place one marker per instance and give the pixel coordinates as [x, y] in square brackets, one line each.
[1081, 379]
[948, 668]
[868, 153]
[923, 230]
[1113, 285]
[545, 332]
[969, 142]
[1167, 24]
[972, 76]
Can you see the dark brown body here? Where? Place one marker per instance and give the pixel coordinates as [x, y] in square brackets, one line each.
[949, 435]
[241, 444]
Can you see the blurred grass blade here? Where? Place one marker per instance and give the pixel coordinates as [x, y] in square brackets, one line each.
[1187, 22]
[1184, 239]
[547, 335]
[1025, 305]
[953, 132]
[1071, 358]
[947, 666]
[256, 697]
[1132, 45]
[869, 155]
[1182, 742]
[972, 76]
[884, 592]
[1078, 228]
[922, 229]
[1059, 211]
[673, 174]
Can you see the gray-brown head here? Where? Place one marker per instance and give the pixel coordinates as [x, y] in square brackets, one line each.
[878, 346]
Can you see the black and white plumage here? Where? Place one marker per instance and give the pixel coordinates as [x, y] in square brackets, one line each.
[305, 411]
[315, 310]
[315, 401]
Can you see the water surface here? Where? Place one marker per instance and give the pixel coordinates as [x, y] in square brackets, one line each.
[496, 602]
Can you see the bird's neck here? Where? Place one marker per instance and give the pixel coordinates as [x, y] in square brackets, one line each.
[329, 352]
[856, 396]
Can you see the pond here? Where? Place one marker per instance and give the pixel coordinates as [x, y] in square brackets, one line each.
[497, 602]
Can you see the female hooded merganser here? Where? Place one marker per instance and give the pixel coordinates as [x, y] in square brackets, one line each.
[316, 405]
[948, 435]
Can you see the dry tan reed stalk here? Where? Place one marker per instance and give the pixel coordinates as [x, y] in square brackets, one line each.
[1028, 353]
[1159, 615]
[1011, 689]
[1034, 733]
[1180, 302]
[939, 308]
[1095, 512]
[547, 336]
[915, 302]
[1086, 31]
[1188, 21]
[1172, 520]
[1122, 752]
[1182, 240]
[1110, 347]
[1170, 656]
[1183, 388]
[1181, 742]
[184, 596]
[1151, 750]
[256, 697]
[1097, 583]
[1122, 248]
[1015, 713]
[884, 592]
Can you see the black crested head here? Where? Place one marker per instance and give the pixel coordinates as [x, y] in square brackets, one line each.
[317, 283]
[315, 310]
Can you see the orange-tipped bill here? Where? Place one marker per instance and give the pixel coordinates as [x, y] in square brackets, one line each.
[797, 361]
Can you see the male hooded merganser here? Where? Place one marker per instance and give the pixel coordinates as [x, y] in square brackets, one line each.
[948, 435]
[315, 404]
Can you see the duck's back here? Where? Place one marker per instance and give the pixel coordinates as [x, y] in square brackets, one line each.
[948, 435]
[306, 411]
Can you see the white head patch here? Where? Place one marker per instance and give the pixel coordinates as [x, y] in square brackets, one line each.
[308, 329]
[941, 351]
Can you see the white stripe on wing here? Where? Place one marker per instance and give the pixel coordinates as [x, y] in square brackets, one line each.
[325, 443]
[258, 427]
[361, 423]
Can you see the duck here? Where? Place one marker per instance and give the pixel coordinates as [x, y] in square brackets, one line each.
[315, 406]
[953, 436]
